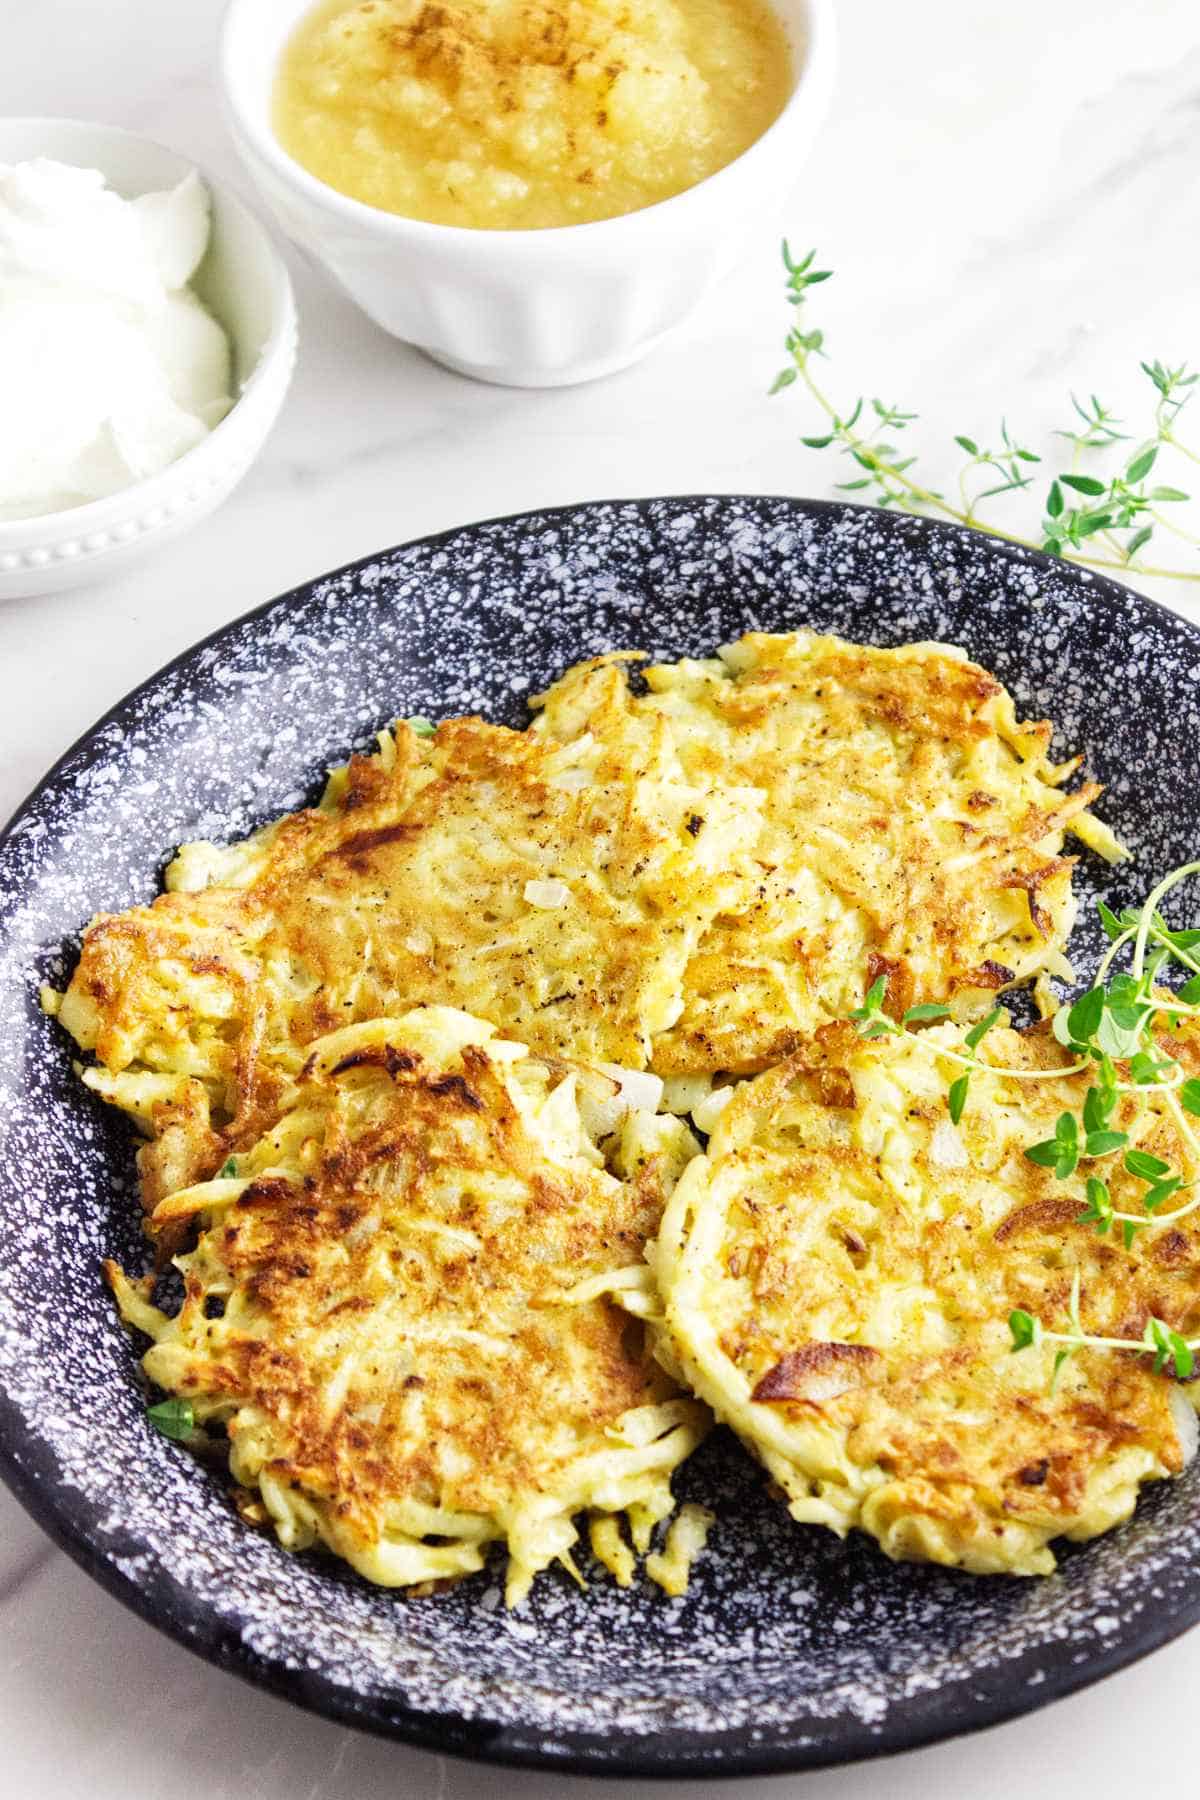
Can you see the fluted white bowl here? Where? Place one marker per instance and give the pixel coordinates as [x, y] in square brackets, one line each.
[244, 282]
[525, 308]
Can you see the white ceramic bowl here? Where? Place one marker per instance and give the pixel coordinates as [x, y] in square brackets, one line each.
[243, 281]
[526, 308]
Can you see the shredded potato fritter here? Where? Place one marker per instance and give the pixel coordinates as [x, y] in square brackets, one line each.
[834, 1276]
[374, 1311]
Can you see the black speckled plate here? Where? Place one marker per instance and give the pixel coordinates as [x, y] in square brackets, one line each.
[791, 1650]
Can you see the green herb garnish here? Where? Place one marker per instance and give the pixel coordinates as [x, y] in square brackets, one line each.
[1061, 1152]
[174, 1418]
[422, 727]
[1116, 1021]
[1158, 1340]
[1114, 1032]
[1104, 521]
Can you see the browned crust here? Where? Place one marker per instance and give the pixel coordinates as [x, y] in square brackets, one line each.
[791, 1377]
[1048, 1213]
[375, 1056]
[898, 995]
[1030, 881]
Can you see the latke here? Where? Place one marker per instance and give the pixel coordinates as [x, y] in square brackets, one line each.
[835, 1277]
[374, 1316]
[910, 827]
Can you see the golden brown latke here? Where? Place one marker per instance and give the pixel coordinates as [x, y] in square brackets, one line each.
[835, 1277]
[389, 1350]
[911, 827]
[690, 875]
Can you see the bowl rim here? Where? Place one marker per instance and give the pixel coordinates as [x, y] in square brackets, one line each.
[29, 1471]
[110, 509]
[807, 103]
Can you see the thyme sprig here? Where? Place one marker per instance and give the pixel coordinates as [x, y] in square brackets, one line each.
[871, 1022]
[1104, 523]
[1158, 1340]
[1114, 1033]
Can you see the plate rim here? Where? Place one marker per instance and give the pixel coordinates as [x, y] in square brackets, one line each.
[687, 1756]
[687, 1753]
[894, 521]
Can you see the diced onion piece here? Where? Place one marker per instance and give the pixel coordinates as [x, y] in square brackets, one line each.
[593, 1082]
[601, 1114]
[946, 1148]
[547, 894]
[629, 1091]
[684, 1093]
[573, 779]
[705, 1115]
[659, 1138]
[1186, 1423]
[638, 1091]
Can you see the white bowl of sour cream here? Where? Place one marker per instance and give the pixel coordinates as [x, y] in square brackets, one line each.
[527, 308]
[146, 349]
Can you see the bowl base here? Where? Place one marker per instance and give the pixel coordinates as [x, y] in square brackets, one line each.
[519, 376]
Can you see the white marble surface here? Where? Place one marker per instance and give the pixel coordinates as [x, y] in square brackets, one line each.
[1011, 198]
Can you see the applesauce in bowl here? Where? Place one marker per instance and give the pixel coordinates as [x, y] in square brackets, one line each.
[523, 301]
[527, 114]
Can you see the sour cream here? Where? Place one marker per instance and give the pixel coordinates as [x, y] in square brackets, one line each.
[110, 367]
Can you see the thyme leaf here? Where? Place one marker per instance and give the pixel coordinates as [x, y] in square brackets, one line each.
[174, 1418]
